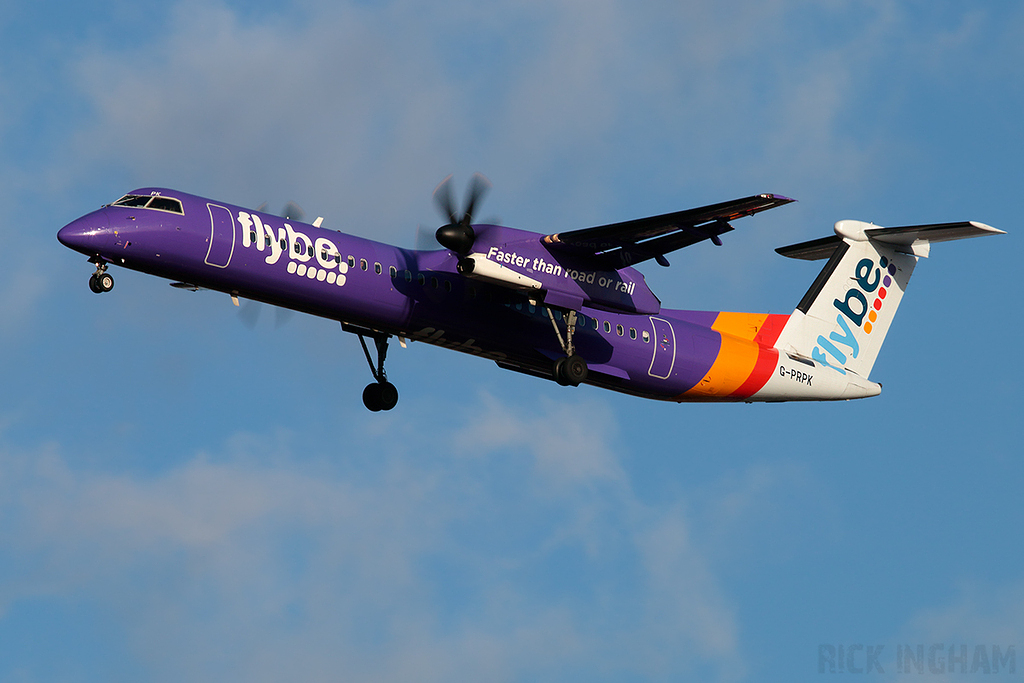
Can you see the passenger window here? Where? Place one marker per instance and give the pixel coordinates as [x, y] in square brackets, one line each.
[408, 276]
[377, 268]
[646, 336]
[447, 285]
[309, 250]
[284, 244]
[362, 264]
[393, 272]
[593, 323]
[298, 247]
[433, 282]
[422, 279]
[632, 333]
[351, 261]
[266, 240]
[618, 330]
[607, 326]
[252, 236]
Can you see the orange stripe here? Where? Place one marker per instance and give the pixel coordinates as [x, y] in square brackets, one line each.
[741, 325]
[746, 358]
[736, 359]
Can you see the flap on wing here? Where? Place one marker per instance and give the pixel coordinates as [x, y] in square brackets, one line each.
[631, 242]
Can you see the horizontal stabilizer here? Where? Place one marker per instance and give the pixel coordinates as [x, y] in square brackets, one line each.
[912, 239]
[814, 250]
[939, 232]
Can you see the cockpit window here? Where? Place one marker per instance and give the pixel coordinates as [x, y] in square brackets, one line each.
[132, 200]
[151, 202]
[165, 204]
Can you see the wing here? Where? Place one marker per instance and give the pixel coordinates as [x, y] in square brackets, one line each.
[624, 244]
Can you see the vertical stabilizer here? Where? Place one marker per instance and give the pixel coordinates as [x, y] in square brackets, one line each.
[845, 315]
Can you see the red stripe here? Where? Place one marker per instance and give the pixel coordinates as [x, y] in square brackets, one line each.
[767, 355]
[771, 329]
[767, 359]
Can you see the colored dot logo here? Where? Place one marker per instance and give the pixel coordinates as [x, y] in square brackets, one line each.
[890, 269]
[319, 274]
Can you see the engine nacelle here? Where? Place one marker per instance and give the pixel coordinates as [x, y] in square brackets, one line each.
[478, 266]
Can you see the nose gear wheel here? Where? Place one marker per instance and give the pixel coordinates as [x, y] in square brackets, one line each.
[101, 281]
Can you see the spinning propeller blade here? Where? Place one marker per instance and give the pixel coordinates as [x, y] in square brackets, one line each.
[293, 211]
[458, 234]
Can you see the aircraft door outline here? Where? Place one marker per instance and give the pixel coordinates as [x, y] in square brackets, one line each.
[664, 359]
[222, 236]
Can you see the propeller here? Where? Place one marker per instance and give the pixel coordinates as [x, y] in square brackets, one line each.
[425, 239]
[249, 311]
[291, 211]
[458, 234]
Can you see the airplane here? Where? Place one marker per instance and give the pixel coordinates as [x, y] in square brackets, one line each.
[569, 307]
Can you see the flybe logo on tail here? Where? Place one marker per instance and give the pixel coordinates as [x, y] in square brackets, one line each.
[873, 282]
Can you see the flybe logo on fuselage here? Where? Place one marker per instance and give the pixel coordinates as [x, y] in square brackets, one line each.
[855, 314]
[327, 264]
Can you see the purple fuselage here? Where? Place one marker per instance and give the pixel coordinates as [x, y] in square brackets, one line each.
[629, 342]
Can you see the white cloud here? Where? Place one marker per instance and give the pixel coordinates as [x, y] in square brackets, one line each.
[978, 613]
[21, 289]
[360, 110]
[569, 443]
[505, 561]
[977, 619]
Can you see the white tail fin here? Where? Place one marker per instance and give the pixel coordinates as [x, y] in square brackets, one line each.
[844, 317]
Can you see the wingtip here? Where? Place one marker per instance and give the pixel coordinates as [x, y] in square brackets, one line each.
[988, 228]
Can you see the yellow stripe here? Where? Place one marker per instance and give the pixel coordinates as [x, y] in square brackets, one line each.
[735, 362]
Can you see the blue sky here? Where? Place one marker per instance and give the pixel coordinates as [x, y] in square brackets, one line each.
[186, 497]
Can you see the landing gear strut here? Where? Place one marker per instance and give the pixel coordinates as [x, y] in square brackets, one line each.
[381, 394]
[571, 370]
[101, 281]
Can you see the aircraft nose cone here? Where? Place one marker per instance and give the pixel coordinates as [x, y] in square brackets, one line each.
[83, 234]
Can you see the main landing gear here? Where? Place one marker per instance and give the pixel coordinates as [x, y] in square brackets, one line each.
[101, 281]
[571, 370]
[381, 394]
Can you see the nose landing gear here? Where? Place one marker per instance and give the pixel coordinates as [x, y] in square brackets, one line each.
[101, 281]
